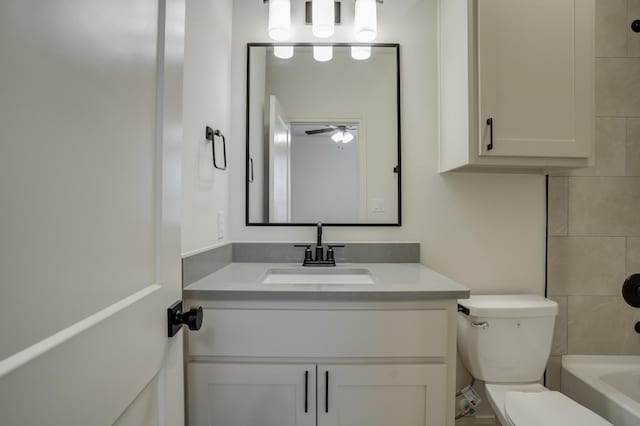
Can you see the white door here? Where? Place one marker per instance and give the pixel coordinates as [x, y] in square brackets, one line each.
[252, 394]
[382, 395]
[279, 163]
[535, 63]
[90, 129]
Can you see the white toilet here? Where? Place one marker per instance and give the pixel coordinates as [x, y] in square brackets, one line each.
[505, 341]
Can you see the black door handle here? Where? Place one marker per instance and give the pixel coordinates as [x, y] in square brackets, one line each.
[490, 124]
[306, 391]
[326, 391]
[176, 318]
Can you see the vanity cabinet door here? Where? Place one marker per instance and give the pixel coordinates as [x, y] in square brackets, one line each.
[224, 394]
[382, 395]
[535, 74]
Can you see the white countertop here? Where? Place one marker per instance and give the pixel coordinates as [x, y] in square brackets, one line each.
[392, 281]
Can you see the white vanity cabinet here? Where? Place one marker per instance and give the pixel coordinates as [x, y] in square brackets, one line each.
[516, 84]
[290, 394]
[324, 363]
[247, 394]
[382, 395]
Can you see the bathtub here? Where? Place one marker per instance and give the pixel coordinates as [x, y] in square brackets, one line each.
[608, 385]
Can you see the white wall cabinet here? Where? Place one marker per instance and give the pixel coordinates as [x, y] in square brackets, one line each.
[323, 364]
[516, 84]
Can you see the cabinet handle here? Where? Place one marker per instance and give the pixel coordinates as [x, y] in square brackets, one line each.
[306, 391]
[326, 391]
[490, 124]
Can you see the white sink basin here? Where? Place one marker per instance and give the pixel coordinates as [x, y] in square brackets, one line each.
[314, 276]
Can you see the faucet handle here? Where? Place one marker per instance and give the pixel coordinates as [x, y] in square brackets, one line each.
[308, 256]
[330, 253]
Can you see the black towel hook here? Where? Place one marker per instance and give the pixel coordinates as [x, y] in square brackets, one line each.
[210, 135]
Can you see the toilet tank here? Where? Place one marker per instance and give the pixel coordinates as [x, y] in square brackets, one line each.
[506, 338]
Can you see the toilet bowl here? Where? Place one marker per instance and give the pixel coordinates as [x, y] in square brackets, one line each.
[505, 340]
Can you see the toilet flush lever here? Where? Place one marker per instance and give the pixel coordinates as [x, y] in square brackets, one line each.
[483, 324]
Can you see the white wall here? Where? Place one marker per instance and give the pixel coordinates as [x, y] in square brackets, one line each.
[259, 187]
[206, 98]
[487, 231]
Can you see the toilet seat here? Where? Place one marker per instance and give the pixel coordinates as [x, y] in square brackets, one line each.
[520, 405]
[548, 408]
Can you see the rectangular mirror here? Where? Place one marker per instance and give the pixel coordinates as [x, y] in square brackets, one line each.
[323, 136]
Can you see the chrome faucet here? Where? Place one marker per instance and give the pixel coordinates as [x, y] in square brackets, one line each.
[320, 259]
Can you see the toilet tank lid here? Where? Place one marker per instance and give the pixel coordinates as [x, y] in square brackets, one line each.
[509, 306]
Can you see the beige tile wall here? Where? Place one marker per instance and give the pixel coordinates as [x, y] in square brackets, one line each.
[594, 213]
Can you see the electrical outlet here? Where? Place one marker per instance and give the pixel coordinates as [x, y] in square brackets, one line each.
[221, 224]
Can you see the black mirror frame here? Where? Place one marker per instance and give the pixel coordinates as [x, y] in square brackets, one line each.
[248, 159]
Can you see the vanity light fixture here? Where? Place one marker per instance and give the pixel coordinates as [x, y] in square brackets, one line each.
[279, 19]
[322, 18]
[322, 53]
[360, 53]
[365, 24]
[283, 52]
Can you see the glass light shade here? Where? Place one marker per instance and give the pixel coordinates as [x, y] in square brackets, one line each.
[337, 137]
[279, 19]
[366, 21]
[360, 53]
[348, 137]
[323, 18]
[322, 53]
[283, 52]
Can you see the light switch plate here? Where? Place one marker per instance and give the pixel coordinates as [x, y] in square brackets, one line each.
[377, 205]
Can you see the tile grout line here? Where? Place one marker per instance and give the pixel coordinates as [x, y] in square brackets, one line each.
[626, 141]
[568, 195]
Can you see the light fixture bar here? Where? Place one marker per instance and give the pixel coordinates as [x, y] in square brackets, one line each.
[308, 13]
